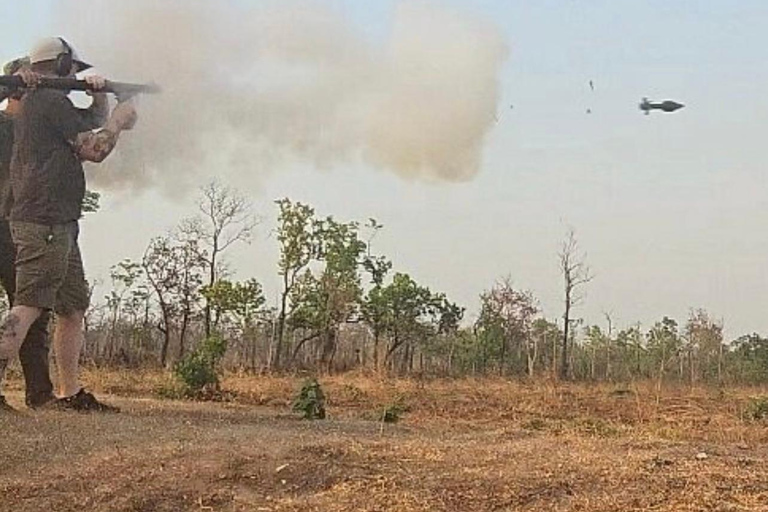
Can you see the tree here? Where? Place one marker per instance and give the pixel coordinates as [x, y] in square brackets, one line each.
[124, 276]
[705, 347]
[325, 301]
[575, 274]
[174, 270]
[374, 308]
[297, 234]
[241, 303]
[750, 358]
[507, 315]
[544, 334]
[595, 343]
[664, 345]
[161, 274]
[224, 219]
[410, 316]
[447, 316]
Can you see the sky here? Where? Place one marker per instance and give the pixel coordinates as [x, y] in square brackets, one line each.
[668, 208]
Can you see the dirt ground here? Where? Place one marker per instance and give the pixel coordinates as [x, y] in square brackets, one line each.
[468, 445]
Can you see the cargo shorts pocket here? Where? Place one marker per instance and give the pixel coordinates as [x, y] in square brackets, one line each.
[41, 262]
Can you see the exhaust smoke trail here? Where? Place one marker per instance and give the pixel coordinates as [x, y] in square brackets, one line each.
[247, 88]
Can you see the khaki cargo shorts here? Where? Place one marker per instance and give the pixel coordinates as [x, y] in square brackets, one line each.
[49, 269]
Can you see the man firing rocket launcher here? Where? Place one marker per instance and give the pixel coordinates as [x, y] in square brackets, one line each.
[52, 139]
[67, 60]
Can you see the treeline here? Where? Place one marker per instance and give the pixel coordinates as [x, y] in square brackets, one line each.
[341, 306]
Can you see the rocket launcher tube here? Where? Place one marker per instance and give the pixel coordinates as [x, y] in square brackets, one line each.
[122, 90]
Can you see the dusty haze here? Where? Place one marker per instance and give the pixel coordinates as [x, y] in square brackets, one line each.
[248, 88]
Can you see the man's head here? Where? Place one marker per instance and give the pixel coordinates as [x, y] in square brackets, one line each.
[54, 56]
[11, 68]
[14, 66]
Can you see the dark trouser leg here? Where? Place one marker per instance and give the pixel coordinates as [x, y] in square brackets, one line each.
[34, 362]
[34, 351]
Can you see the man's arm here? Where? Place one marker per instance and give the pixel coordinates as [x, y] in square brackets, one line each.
[96, 115]
[96, 146]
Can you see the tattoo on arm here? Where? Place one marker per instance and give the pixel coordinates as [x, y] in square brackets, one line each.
[95, 147]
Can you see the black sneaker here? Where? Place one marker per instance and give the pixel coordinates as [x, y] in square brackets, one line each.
[41, 402]
[5, 406]
[83, 401]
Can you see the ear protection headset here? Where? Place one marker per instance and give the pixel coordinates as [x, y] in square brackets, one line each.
[65, 59]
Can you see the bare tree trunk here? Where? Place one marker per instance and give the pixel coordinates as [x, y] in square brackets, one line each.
[575, 273]
[165, 328]
[211, 282]
[566, 335]
[280, 326]
[720, 364]
[376, 337]
[554, 357]
[503, 355]
[183, 333]
[608, 351]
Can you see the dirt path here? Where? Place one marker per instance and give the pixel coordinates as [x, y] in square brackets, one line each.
[177, 456]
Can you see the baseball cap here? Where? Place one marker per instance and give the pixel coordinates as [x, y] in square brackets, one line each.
[51, 47]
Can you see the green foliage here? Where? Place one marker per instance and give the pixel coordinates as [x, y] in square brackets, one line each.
[162, 301]
[296, 234]
[325, 299]
[242, 300]
[172, 389]
[198, 370]
[749, 358]
[310, 401]
[394, 411]
[409, 314]
[504, 326]
[758, 408]
[91, 202]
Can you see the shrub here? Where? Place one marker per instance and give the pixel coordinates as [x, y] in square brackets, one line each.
[758, 408]
[392, 413]
[198, 370]
[310, 401]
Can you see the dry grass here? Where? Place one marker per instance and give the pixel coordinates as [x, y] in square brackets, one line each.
[465, 445]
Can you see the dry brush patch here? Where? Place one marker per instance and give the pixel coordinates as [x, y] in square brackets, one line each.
[470, 445]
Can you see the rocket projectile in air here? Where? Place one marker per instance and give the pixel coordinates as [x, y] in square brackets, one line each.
[665, 106]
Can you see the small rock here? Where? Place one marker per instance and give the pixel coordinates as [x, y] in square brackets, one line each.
[702, 456]
[280, 468]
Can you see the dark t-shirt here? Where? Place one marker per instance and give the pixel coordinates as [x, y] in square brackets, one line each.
[6, 149]
[47, 179]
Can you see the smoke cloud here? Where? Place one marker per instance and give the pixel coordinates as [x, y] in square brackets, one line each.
[247, 89]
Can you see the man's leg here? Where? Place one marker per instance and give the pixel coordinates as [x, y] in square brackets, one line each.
[41, 258]
[67, 342]
[35, 363]
[34, 351]
[12, 333]
[71, 303]
[7, 277]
